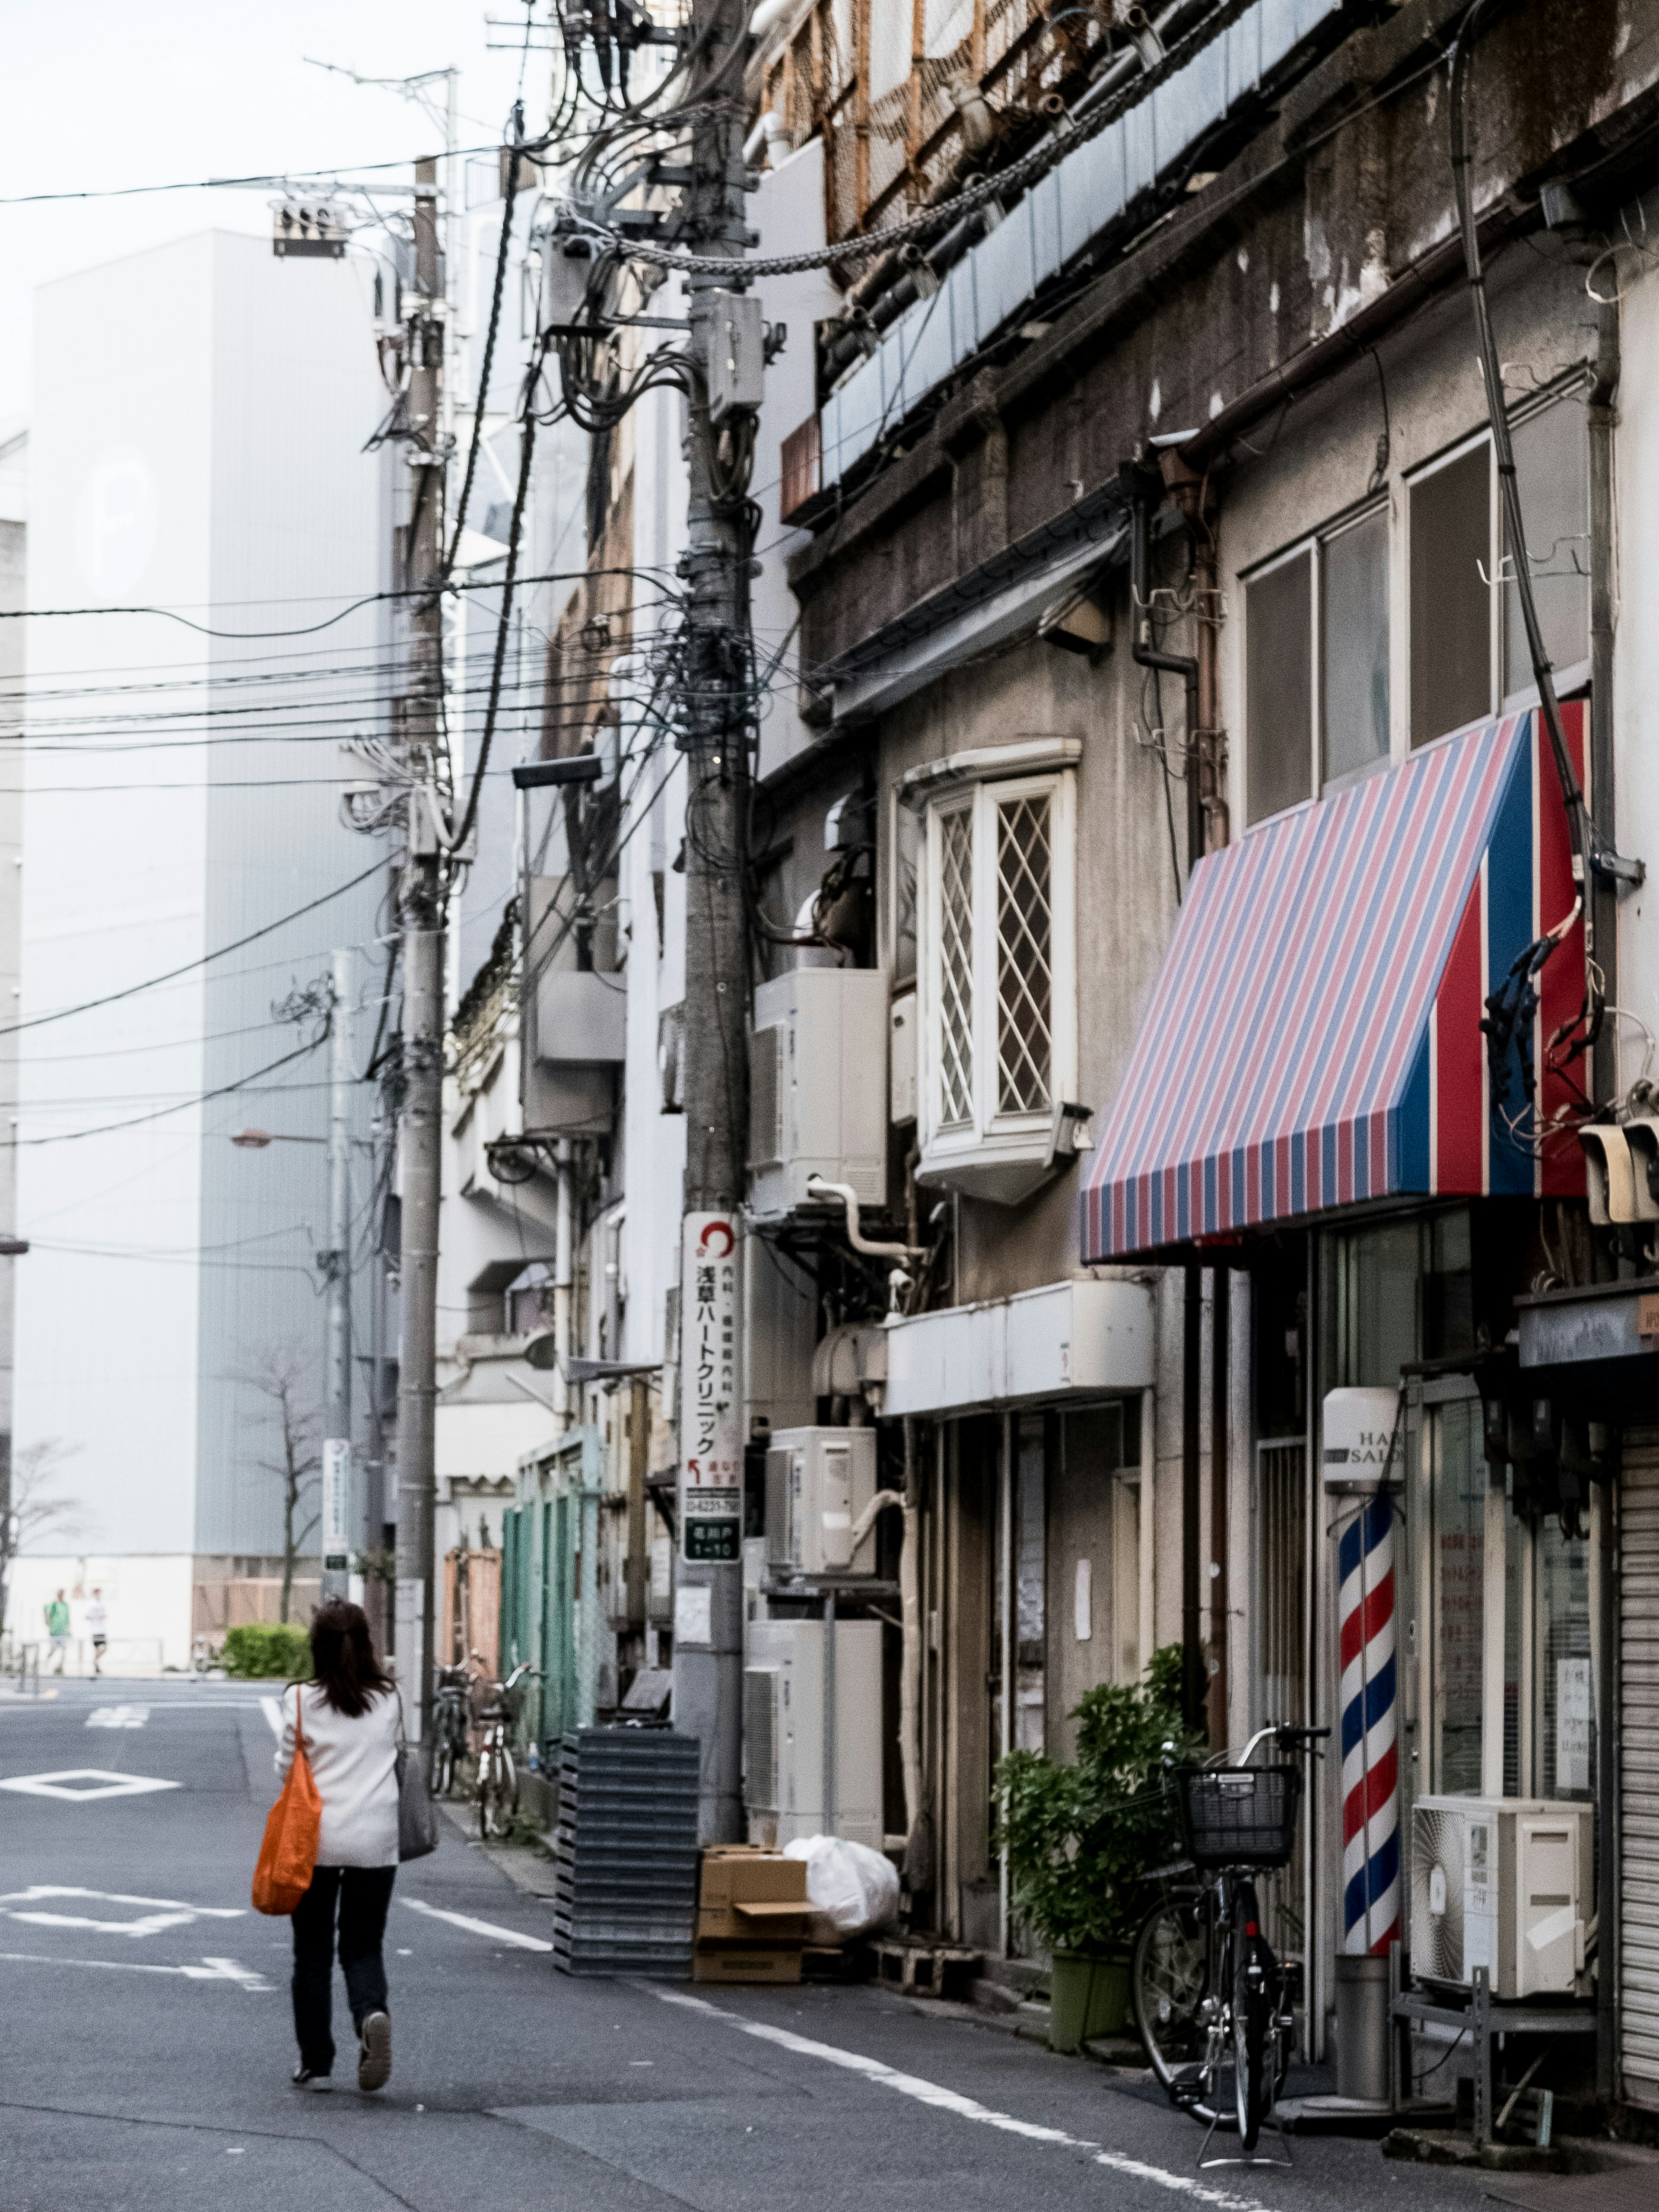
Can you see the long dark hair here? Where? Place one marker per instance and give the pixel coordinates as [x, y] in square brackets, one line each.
[348, 1672]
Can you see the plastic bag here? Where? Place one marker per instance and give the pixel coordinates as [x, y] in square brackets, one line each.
[287, 1857]
[852, 1890]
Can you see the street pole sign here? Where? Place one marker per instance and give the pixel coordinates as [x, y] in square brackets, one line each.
[337, 1506]
[711, 1480]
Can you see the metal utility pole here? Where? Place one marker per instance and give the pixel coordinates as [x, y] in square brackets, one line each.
[421, 913]
[335, 1265]
[707, 1658]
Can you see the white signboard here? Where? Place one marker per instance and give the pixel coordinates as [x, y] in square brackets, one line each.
[711, 1440]
[337, 1505]
[1573, 1724]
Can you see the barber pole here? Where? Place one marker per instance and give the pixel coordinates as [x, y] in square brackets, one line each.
[1370, 1755]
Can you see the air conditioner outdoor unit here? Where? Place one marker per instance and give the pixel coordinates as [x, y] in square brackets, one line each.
[817, 1483]
[818, 1087]
[811, 1732]
[1504, 1883]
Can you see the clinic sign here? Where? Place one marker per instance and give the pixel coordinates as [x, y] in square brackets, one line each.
[711, 1484]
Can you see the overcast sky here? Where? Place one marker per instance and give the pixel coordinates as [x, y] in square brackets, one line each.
[113, 92]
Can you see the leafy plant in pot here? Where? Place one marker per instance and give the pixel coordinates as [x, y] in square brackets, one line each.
[1080, 1840]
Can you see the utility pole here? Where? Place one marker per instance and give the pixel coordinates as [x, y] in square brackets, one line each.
[707, 1658]
[420, 914]
[335, 1265]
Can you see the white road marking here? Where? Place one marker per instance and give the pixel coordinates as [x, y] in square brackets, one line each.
[173, 1912]
[104, 1785]
[477, 1927]
[272, 1710]
[210, 1970]
[966, 2108]
[118, 1717]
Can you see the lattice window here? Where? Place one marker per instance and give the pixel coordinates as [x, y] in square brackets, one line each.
[1025, 956]
[956, 1027]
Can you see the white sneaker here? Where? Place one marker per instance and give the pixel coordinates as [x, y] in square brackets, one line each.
[375, 2066]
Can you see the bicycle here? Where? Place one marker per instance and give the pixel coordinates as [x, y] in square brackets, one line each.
[1209, 1993]
[452, 1720]
[498, 1786]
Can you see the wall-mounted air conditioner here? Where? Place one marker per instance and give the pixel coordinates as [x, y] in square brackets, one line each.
[811, 1731]
[1504, 1883]
[818, 1087]
[818, 1481]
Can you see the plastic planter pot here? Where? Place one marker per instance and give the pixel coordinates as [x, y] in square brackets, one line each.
[1088, 1997]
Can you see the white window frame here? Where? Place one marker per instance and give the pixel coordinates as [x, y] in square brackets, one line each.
[995, 1154]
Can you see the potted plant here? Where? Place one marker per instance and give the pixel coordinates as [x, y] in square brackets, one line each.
[1079, 1841]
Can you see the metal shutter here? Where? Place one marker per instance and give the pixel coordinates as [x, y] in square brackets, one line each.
[1638, 1961]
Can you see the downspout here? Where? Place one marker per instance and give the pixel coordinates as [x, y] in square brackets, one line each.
[1564, 215]
[1145, 491]
[910, 1654]
[564, 1170]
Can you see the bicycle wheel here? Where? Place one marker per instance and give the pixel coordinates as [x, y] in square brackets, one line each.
[1249, 2026]
[489, 1789]
[1170, 1979]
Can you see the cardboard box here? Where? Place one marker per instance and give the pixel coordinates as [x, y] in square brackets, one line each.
[746, 1962]
[751, 1896]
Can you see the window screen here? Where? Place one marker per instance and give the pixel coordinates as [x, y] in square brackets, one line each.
[1551, 475]
[1279, 688]
[1451, 607]
[1353, 637]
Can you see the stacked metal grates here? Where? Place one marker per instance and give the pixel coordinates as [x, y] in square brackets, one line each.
[626, 1853]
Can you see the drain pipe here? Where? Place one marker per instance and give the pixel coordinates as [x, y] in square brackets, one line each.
[909, 1581]
[562, 1301]
[1144, 490]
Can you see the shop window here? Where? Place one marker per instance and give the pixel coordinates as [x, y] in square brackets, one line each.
[1457, 1540]
[1316, 665]
[997, 980]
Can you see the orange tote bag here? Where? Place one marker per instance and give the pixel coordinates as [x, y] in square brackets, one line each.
[287, 1857]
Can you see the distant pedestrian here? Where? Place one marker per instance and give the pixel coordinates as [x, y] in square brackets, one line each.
[58, 1631]
[349, 1717]
[98, 1628]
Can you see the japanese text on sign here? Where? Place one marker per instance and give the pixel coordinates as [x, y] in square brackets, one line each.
[711, 1485]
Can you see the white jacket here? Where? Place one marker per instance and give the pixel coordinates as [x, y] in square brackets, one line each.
[353, 1764]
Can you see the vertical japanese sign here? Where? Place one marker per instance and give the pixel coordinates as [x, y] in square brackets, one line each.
[337, 1505]
[711, 1442]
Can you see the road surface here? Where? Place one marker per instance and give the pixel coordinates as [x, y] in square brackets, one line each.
[148, 2041]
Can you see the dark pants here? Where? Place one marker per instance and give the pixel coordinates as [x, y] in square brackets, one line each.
[362, 1894]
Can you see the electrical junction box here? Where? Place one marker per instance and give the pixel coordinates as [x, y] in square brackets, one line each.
[817, 1483]
[735, 364]
[567, 267]
[811, 1731]
[1502, 1883]
[817, 1083]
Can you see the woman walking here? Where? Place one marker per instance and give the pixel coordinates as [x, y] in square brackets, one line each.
[349, 1715]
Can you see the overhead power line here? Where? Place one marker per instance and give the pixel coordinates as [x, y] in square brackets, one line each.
[230, 184]
[132, 990]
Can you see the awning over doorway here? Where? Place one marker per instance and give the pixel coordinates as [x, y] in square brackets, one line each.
[1314, 1038]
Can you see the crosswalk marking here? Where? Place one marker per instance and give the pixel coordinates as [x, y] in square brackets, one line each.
[121, 1717]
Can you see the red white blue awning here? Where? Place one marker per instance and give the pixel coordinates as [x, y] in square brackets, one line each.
[1314, 1038]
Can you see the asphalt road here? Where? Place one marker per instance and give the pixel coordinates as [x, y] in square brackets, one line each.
[147, 2038]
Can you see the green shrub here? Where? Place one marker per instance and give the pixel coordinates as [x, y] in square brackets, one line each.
[262, 1650]
[1080, 1840]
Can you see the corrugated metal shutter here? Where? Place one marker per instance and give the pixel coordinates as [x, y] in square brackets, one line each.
[1638, 1962]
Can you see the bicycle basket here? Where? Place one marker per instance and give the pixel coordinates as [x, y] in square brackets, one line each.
[1241, 1815]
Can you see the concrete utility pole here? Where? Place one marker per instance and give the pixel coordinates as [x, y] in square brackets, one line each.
[421, 912]
[338, 1524]
[707, 1659]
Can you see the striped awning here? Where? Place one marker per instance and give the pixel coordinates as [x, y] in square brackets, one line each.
[1314, 1038]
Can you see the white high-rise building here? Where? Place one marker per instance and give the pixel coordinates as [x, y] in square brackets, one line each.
[196, 461]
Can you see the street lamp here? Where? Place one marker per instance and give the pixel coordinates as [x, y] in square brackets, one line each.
[255, 1140]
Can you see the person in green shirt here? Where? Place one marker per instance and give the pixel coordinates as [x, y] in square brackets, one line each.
[58, 1629]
